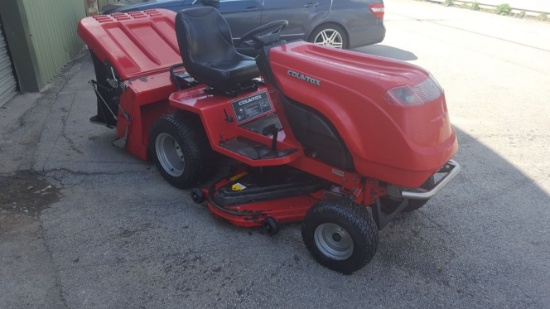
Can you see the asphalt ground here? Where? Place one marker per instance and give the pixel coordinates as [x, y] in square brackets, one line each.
[86, 225]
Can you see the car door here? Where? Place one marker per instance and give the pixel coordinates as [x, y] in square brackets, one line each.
[301, 15]
[241, 15]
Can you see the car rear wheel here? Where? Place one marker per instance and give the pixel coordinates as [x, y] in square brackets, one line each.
[329, 35]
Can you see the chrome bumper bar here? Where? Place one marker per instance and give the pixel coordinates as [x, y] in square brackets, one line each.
[451, 169]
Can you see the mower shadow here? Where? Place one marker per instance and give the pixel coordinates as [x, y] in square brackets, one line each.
[387, 51]
[490, 217]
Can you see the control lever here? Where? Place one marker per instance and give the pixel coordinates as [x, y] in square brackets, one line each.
[274, 131]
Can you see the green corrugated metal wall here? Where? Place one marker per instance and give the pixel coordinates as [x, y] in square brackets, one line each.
[52, 26]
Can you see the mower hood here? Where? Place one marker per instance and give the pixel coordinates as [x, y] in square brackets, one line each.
[391, 115]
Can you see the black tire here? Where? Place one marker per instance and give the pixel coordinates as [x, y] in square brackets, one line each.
[180, 149]
[329, 35]
[340, 234]
[390, 204]
[270, 226]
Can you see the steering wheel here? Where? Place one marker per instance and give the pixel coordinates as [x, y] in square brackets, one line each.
[255, 39]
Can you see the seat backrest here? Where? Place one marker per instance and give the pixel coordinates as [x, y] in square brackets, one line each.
[204, 39]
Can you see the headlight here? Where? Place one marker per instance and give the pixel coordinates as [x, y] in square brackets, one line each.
[419, 94]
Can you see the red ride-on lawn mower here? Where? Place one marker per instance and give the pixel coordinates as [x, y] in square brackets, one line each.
[339, 140]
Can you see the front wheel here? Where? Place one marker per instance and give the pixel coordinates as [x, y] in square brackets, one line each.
[340, 234]
[181, 151]
[329, 35]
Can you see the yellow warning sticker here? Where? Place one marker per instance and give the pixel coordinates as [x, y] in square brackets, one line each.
[238, 187]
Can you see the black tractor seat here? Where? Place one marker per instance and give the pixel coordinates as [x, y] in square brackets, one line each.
[208, 53]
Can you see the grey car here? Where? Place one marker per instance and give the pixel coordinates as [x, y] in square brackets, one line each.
[336, 23]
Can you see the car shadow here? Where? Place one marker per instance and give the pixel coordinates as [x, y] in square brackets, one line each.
[387, 51]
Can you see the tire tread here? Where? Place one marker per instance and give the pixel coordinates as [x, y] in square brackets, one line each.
[341, 210]
[200, 156]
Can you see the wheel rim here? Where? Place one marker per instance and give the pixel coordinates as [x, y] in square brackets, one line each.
[333, 241]
[169, 154]
[329, 37]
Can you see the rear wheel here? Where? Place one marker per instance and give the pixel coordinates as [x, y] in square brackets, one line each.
[181, 151]
[340, 234]
[390, 204]
[329, 35]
